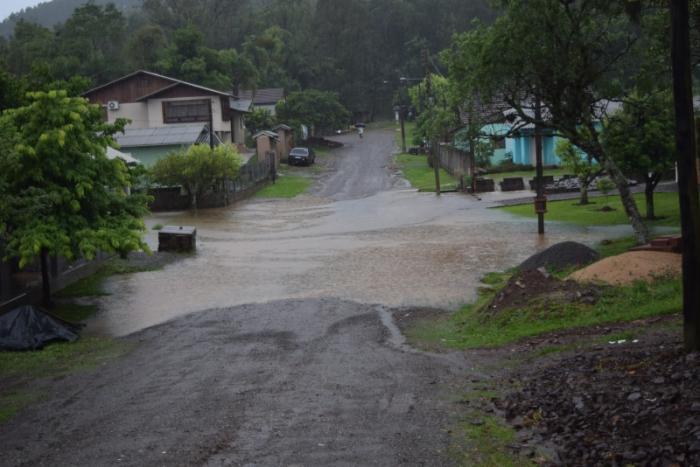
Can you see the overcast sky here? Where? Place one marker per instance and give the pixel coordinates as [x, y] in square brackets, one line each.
[11, 6]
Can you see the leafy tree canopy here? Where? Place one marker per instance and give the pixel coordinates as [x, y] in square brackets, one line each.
[198, 169]
[320, 109]
[61, 193]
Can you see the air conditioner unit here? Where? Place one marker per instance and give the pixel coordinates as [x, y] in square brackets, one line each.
[113, 105]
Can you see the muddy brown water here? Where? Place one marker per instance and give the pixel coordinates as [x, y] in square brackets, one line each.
[360, 236]
[274, 344]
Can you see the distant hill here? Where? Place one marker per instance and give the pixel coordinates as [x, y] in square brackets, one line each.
[57, 11]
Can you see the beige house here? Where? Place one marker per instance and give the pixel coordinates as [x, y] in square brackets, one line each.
[153, 101]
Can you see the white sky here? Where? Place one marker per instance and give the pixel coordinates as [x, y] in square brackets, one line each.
[11, 6]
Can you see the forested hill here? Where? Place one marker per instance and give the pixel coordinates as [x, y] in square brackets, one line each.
[356, 48]
[57, 11]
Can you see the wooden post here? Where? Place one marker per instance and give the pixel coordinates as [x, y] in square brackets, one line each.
[687, 178]
[402, 118]
[540, 200]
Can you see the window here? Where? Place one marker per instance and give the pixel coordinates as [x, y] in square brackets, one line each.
[186, 111]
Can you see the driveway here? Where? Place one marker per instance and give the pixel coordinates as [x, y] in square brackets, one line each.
[274, 344]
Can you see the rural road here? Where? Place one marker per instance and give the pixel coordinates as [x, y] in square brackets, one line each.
[274, 344]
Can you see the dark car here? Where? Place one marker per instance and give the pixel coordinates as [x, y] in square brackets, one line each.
[301, 156]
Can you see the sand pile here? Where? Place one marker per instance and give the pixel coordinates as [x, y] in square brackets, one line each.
[629, 267]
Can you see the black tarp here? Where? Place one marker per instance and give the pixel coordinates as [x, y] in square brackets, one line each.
[30, 328]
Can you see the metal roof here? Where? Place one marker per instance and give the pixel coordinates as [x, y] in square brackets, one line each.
[263, 96]
[241, 105]
[171, 135]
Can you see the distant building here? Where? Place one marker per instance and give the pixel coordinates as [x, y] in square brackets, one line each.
[168, 113]
[266, 99]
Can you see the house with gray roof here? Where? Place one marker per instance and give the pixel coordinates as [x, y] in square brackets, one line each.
[166, 113]
[265, 99]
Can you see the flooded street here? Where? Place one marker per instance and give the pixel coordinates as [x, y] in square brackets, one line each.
[275, 343]
[360, 235]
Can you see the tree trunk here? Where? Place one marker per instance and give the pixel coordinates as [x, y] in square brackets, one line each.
[45, 279]
[687, 170]
[641, 231]
[584, 193]
[649, 195]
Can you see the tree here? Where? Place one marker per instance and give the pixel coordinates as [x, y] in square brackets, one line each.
[197, 169]
[61, 193]
[91, 42]
[320, 109]
[259, 119]
[641, 140]
[580, 164]
[572, 57]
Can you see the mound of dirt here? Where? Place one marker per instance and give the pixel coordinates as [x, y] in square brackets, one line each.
[629, 267]
[560, 256]
[537, 284]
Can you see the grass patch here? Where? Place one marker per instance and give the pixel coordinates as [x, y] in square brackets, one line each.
[473, 326]
[54, 360]
[73, 312]
[157, 227]
[91, 286]
[615, 247]
[666, 206]
[416, 170]
[286, 186]
[13, 402]
[60, 358]
[485, 443]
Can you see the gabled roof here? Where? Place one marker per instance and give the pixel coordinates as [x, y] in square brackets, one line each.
[267, 133]
[263, 96]
[175, 81]
[171, 135]
[282, 126]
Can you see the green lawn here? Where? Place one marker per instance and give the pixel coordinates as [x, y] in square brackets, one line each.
[666, 206]
[416, 170]
[473, 326]
[286, 186]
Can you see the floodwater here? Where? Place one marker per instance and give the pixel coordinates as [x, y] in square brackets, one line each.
[395, 247]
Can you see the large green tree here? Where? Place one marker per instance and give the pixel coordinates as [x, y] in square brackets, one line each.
[61, 194]
[321, 110]
[570, 58]
[641, 140]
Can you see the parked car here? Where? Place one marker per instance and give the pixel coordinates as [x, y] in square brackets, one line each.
[301, 156]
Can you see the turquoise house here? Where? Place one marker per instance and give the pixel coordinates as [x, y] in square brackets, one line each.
[520, 147]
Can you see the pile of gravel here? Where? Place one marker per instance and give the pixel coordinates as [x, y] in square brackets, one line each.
[560, 256]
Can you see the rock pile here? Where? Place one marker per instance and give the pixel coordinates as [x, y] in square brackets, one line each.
[560, 256]
[623, 404]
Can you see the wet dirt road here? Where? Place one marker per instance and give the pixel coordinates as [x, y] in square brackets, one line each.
[296, 361]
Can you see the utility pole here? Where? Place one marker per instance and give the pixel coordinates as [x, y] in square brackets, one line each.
[687, 171]
[433, 144]
[540, 199]
[211, 125]
[402, 118]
